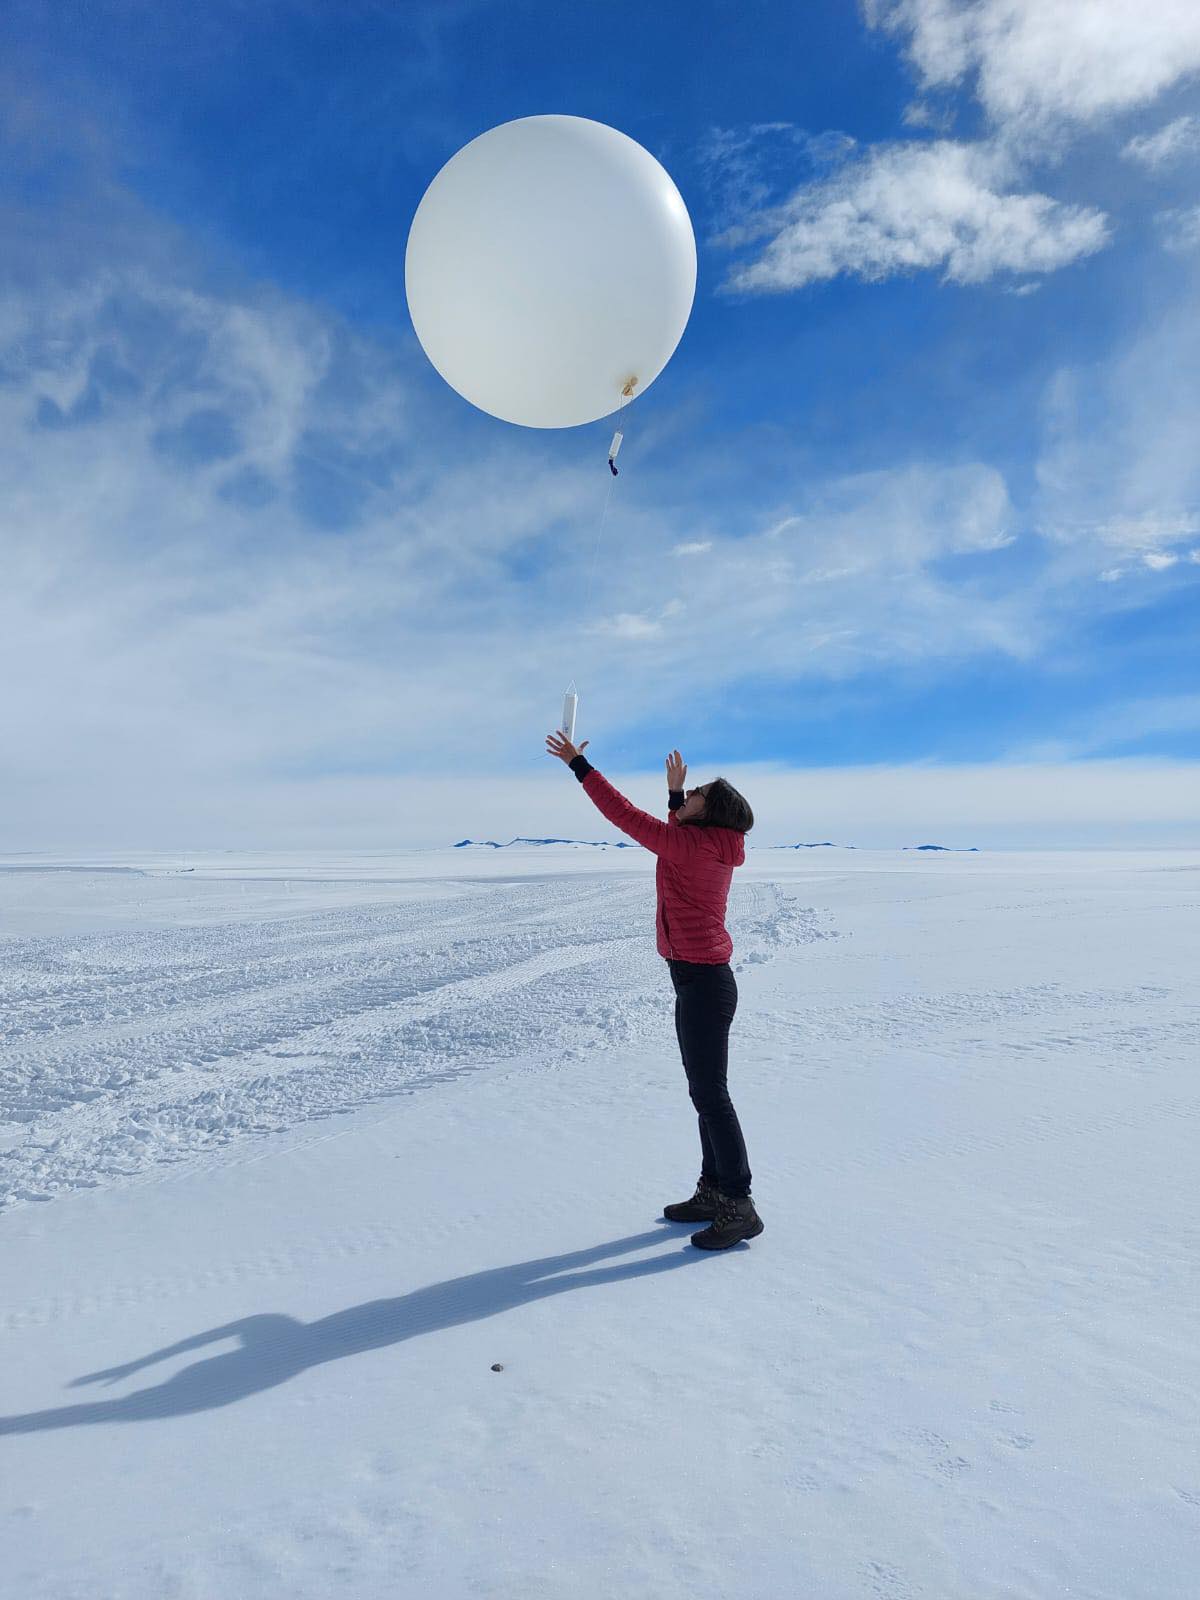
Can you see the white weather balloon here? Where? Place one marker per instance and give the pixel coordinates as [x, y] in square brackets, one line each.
[550, 271]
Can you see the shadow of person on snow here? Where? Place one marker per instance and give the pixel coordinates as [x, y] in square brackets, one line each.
[275, 1347]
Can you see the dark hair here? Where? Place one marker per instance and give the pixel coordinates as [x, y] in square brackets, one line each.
[724, 807]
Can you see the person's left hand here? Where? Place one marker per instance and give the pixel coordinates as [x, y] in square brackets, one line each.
[557, 744]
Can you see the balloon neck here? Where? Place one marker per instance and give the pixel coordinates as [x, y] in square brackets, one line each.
[630, 386]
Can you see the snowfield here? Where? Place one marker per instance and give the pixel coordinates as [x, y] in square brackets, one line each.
[293, 1152]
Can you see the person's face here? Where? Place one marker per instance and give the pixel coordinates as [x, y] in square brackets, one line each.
[692, 808]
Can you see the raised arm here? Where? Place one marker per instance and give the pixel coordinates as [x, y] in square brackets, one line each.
[263, 1326]
[661, 837]
[664, 839]
[676, 773]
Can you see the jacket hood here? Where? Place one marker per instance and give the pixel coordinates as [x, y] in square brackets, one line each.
[728, 844]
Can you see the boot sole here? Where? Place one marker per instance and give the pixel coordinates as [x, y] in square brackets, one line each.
[690, 1214]
[750, 1233]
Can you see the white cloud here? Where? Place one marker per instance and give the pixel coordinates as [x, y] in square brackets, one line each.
[223, 552]
[232, 559]
[745, 167]
[190, 660]
[635, 624]
[909, 207]
[693, 547]
[921, 114]
[1117, 725]
[1039, 69]
[1143, 534]
[1180, 229]
[1169, 144]
[197, 623]
[904, 517]
[1119, 468]
[1039, 64]
[1141, 539]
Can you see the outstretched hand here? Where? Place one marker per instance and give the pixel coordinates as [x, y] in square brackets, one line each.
[557, 744]
[676, 770]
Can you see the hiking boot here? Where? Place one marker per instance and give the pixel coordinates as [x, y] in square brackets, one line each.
[702, 1207]
[735, 1220]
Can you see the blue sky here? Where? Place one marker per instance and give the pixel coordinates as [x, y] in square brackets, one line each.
[919, 493]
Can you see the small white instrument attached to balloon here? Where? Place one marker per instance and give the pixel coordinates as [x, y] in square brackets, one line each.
[570, 707]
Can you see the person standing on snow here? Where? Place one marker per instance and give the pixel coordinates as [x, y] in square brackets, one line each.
[697, 850]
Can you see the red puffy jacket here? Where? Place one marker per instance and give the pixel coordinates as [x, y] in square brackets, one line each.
[695, 866]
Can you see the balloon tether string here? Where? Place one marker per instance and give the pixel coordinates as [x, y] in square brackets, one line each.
[626, 397]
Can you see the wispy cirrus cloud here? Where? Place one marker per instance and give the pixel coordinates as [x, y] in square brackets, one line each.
[193, 615]
[1179, 228]
[746, 169]
[1163, 148]
[1124, 723]
[1118, 468]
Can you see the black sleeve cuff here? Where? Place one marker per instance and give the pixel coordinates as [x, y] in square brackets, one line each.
[675, 798]
[581, 766]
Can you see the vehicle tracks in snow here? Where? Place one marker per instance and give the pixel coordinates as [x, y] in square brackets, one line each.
[124, 1051]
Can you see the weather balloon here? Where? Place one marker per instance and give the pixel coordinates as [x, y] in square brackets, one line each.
[550, 271]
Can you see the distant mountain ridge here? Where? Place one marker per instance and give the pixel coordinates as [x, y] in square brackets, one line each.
[828, 844]
[623, 844]
[823, 844]
[493, 844]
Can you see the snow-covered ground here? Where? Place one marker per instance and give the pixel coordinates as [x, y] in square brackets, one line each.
[295, 1151]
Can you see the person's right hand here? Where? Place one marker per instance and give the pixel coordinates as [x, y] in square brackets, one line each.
[676, 770]
[557, 744]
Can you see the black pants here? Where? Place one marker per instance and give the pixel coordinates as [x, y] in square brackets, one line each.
[705, 1001]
